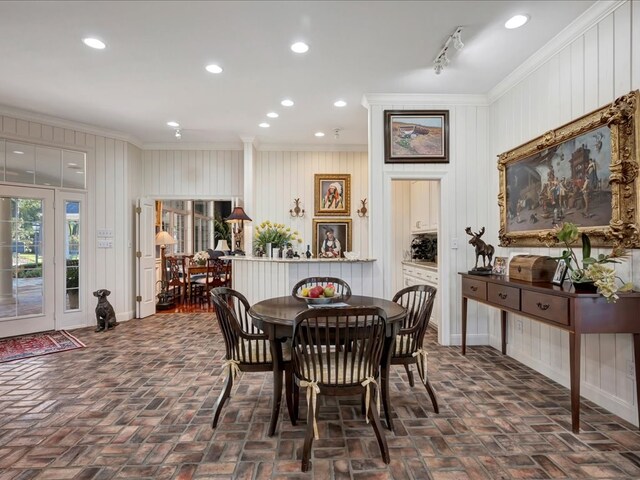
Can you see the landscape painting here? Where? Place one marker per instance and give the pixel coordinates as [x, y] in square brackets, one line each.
[416, 136]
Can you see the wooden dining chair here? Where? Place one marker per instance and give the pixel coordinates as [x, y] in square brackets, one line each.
[322, 368]
[418, 300]
[175, 277]
[216, 275]
[341, 287]
[247, 348]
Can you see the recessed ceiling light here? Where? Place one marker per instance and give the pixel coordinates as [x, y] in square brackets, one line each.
[213, 68]
[80, 171]
[18, 152]
[272, 115]
[29, 171]
[286, 103]
[71, 164]
[173, 124]
[94, 43]
[319, 134]
[516, 21]
[300, 47]
[264, 125]
[340, 103]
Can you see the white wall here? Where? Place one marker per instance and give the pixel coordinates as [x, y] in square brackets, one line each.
[282, 176]
[400, 229]
[589, 71]
[464, 200]
[215, 174]
[108, 207]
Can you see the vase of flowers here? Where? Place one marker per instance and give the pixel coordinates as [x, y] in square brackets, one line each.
[595, 274]
[277, 234]
[201, 257]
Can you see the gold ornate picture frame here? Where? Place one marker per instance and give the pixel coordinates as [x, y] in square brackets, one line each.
[332, 195]
[331, 237]
[584, 172]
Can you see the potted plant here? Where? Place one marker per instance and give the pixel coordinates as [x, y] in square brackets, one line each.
[277, 234]
[201, 257]
[593, 274]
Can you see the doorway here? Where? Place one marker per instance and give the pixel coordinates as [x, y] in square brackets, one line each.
[27, 293]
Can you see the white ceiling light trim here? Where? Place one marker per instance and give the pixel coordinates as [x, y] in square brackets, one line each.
[18, 152]
[340, 103]
[516, 21]
[287, 102]
[319, 134]
[213, 68]
[272, 115]
[173, 124]
[300, 47]
[94, 43]
[264, 125]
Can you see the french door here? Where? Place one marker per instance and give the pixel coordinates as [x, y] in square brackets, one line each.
[27, 270]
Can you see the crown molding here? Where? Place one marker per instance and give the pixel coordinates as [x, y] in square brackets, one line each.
[579, 26]
[177, 146]
[44, 119]
[370, 99]
[312, 148]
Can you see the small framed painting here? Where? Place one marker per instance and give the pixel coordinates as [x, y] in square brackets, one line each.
[561, 273]
[332, 194]
[331, 238]
[499, 266]
[416, 136]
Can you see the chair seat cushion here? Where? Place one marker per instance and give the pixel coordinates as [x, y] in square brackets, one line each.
[334, 371]
[404, 346]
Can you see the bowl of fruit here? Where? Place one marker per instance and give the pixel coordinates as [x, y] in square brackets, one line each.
[318, 295]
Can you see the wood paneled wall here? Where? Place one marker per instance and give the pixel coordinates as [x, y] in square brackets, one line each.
[591, 71]
[282, 176]
[192, 173]
[109, 205]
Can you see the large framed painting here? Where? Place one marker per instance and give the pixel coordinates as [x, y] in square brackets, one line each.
[331, 237]
[584, 172]
[332, 194]
[416, 136]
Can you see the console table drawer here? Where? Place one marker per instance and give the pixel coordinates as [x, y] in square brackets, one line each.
[474, 288]
[505, 296]
[549, 307]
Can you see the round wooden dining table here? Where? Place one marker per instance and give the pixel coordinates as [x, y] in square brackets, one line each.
[276, 316]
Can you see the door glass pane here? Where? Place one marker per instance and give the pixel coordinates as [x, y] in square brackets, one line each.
[48, 166]
[74, 169]
[72, 254]
[21, 286]
[21, 162]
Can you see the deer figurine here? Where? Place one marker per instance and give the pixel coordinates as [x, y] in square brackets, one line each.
[481, 248]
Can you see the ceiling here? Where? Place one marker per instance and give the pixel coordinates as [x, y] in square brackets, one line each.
[152, 70]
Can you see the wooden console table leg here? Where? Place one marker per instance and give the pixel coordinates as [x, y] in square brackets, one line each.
[574, 379]
[503, 321]
[636, 359]
[464, 325]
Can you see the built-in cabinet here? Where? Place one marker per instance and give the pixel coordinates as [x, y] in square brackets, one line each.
[418, 274]
[425, 199]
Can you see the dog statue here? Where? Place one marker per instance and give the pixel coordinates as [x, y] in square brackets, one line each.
[105, 315]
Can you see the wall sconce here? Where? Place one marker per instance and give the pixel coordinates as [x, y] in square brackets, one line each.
[237, 218]
[362, 211]
[297, 210]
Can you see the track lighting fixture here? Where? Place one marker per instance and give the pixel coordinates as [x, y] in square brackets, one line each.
[336, 133]
[442, 60]
[178, 133]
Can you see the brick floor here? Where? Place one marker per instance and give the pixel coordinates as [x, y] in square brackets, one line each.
[137, 403]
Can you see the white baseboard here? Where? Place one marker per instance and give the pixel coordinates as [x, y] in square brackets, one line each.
[474, 339]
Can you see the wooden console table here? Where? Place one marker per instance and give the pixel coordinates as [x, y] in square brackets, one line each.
[561, 307]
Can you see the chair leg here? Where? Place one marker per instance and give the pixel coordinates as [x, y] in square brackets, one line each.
[377, 428]
[308, 440]
[363, 407]
[226, 393]
[289, 395]
[296, 399]
[407, 368]
[432, 394]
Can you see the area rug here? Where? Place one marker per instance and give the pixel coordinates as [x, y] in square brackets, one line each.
[35, 344]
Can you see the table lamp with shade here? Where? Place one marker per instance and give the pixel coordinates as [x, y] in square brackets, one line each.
[164, 299]
[237, 218]
[222, 246]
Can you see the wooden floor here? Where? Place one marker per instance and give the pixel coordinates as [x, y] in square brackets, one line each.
[138, 401]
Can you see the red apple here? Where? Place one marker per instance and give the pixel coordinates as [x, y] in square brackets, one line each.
[313, 293]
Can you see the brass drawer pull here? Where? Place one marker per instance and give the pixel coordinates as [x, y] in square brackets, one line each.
[543, 306]
[502, 295]
[473, 288]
